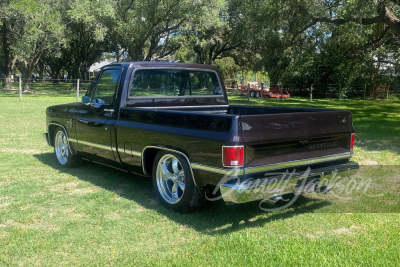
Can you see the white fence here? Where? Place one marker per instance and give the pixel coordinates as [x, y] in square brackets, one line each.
[37, 86]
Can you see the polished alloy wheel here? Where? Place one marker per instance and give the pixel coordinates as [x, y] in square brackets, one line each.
[61, 147]
[170, 178]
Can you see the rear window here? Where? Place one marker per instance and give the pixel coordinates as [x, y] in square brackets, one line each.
[171, 82]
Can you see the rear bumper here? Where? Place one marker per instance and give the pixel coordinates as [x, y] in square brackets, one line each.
[276, 184]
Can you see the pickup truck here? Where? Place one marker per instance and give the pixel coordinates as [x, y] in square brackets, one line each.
[172, 122]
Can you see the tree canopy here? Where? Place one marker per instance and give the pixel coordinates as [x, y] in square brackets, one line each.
[298, 43]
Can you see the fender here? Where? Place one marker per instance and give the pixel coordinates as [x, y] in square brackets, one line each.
[167, 149]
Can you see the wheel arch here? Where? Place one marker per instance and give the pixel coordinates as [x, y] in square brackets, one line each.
[149, 154]
[51, 130]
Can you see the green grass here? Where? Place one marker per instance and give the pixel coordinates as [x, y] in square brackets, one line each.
[93, 215]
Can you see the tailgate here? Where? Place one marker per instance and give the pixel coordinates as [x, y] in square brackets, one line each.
[277, 138]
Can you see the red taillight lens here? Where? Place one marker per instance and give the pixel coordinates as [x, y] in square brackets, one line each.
[232, 156]
[352, 142]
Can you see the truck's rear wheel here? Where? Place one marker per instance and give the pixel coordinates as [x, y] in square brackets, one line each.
[62, 149]
[173, 182]
[252, 93]
[258, 94]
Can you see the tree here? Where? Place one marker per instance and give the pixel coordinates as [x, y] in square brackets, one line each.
[214, 31]
[43, 31]
[29, 28]
[147, 29]
[11, 28]
[85, 39]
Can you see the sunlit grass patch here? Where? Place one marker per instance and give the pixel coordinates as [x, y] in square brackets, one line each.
[94, 215]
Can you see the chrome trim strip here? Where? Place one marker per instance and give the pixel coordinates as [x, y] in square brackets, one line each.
[94, 145]
[270, 167]
[167, 149]
[217, 170]
[73, 140]
[295, 163]
[132, 152]
[136, 153]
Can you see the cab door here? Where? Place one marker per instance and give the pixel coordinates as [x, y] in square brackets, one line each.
[95, 127]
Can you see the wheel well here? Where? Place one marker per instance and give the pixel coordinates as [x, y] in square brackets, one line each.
[148, 160]
[149, 156]
[52, 129]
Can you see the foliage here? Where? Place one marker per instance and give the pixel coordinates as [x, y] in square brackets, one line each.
[346, 44]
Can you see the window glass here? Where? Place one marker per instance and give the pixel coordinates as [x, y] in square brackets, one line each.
[106, 87]
[164, 82]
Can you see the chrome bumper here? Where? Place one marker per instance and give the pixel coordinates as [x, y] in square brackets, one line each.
[46, 137]
[276, 184]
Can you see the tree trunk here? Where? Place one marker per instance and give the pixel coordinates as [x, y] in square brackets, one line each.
[6, 83]
[26, 83]
[9, 60]
[41, 71]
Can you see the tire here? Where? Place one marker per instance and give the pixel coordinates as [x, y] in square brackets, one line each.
[173, 183]
[62, 150]
[252, 94]
[258, 94]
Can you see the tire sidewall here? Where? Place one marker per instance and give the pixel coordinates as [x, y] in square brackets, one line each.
[185, 202]
[70, 159]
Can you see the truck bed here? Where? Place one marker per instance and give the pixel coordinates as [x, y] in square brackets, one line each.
[271, 134]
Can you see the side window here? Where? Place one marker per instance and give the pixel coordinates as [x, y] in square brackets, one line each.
[104, 91]
[170, 82]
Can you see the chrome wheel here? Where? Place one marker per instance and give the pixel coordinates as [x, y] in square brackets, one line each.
[170, 178]
[61, 147]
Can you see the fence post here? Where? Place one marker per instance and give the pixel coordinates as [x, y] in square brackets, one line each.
[387, 93]
[312, 87]
[77, 90]
[248, 92]
[340, 91]
[20, 88]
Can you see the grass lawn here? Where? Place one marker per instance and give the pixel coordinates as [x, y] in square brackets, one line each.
[94, 215]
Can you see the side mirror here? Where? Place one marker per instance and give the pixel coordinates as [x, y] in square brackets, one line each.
[85, 100]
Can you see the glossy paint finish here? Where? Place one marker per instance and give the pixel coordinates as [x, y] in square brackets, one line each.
[198, 127]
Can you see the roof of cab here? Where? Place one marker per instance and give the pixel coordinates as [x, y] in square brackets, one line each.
[143, 64]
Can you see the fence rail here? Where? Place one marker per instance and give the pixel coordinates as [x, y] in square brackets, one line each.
[339, 91]
[20, 86]
[81, 86]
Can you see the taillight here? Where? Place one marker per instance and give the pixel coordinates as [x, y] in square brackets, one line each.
[232, 156]
[352, 142]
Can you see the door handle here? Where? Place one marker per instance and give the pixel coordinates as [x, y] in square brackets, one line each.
[108, 110]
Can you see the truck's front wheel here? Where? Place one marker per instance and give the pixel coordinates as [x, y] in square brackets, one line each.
[62, 149]
[173, 182]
